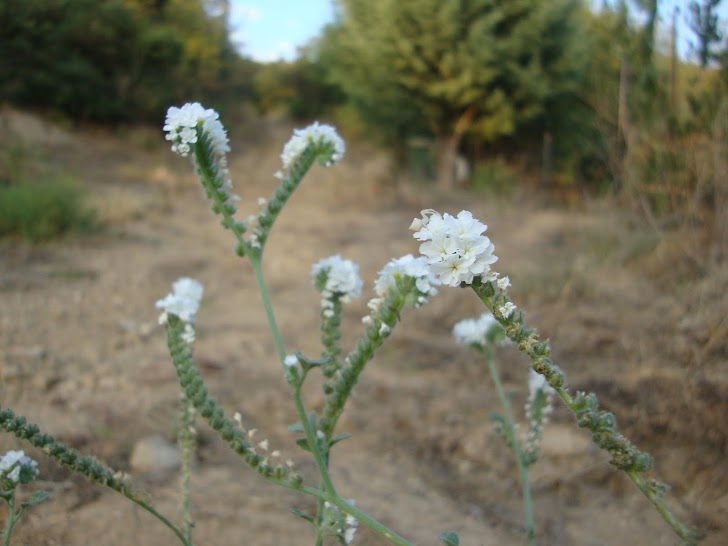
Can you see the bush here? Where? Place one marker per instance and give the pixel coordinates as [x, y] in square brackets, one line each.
[43, 210]
[494, 177]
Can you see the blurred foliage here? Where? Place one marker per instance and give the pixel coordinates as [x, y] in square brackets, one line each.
[494, 177]
[443, 68]
[300, 90]
[574, 90]
[114, 60]
[41, 210]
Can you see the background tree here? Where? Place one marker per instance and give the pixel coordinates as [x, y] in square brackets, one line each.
[703, 21]
[455, 67]
[113, 60]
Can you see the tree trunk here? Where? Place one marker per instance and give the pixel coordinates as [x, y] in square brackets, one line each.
[448, 154]
[449, 148]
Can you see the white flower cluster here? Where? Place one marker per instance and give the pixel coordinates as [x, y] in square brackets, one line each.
[342, 277]
[455, 247]
[313, 134]
[14, 466]
[398, 268]
[345, 527]
[290, 361]
[407, 266]
[474, 331]
[183, 302]
[181, 125]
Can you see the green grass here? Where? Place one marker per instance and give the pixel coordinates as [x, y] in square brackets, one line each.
[41, 210]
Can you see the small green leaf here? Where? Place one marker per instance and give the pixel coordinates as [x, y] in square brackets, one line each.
[296, 427]
[497, 418]
[38, 497]
[450, 538]
[302, 516]
[303, 444]
[339, 439]
[312, 420]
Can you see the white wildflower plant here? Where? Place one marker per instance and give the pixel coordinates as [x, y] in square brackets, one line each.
[455, 253]
[17, 469]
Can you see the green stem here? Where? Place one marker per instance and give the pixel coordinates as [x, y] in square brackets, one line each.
[11, 520]
[329, 492]
[84, 465]
[515, 446]
[295, 390]
[186, 437]
[260, 279]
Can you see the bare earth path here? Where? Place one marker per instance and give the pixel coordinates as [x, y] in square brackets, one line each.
[81, 355]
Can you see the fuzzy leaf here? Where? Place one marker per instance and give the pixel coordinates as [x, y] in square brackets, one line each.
[339, 439]
[302, 516]
[450, 538]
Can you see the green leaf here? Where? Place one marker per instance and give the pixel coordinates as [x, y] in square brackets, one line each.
[312, 420]
[38, 497]
[339, 439]
[497, 418]
[302, 516]
[449, 538]
[296, 427]
[303, 444]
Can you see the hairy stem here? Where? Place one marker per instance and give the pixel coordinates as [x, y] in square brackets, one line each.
[510, 430]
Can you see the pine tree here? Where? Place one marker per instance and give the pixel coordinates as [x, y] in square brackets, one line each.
[451, 67]
[703, 21]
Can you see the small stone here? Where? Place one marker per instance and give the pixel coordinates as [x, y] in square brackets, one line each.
[154, 454]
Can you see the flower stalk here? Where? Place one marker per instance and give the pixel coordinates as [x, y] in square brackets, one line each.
[585, 407]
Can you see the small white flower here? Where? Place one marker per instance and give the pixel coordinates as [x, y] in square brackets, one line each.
[503, 283]
[15, 465]
[474, 331]
[507, 309]
[188, 334]
[183, 302]
[188, 288]
[407, 266]
[313, 134]
[349, 534]
[290, 361]
[342, 277]
[181, 125]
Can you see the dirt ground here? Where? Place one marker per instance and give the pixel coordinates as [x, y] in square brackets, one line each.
[81, 355]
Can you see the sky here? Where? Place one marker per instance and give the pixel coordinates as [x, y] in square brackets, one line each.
[270, 30]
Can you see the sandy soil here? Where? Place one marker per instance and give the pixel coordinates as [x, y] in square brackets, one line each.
[82, 356]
